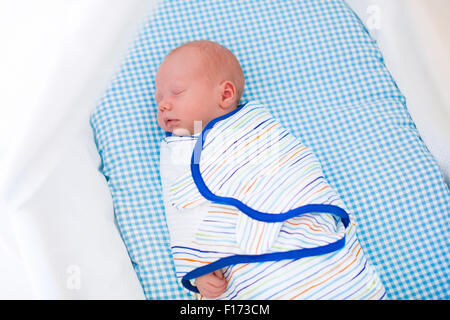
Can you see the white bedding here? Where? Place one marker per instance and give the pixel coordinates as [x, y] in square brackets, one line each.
[61, 216]
[57, 234]
[58, 239]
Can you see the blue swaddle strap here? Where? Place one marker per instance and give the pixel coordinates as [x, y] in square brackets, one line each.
[277, 256]
[255, 214]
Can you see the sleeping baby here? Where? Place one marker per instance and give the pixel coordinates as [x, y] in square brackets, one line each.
[249, 211]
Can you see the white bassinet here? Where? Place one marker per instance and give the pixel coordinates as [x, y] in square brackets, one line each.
[59, 238]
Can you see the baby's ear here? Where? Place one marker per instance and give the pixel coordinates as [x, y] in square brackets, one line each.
[227, 94]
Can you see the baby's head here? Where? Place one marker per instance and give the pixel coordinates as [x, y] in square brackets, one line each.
[197, 81]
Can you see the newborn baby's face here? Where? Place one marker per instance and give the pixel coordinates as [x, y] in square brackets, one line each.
[184, 94]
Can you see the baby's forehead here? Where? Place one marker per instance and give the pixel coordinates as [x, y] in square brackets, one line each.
[189, 58]
[194, 61]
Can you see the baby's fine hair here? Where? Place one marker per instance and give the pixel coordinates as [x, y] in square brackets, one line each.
[219, 61]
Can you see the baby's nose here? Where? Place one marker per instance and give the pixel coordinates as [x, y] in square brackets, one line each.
[165, 105]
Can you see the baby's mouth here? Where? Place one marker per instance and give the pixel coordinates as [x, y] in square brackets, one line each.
[171, 122]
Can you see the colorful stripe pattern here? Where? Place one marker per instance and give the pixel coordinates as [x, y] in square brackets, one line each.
[247, 156]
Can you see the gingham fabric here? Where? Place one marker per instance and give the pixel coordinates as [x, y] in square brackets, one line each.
[314, 64]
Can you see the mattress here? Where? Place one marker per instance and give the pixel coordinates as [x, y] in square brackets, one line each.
[317, 68]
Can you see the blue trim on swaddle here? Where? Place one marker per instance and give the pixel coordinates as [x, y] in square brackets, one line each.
[240, 258]
[254, 214]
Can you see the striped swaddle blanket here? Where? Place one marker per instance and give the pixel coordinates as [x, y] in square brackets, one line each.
[247, 197]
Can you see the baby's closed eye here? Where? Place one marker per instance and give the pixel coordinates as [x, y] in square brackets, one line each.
[174, 92]
[177, 92]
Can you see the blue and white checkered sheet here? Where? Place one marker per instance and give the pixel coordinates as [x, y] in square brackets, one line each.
[313, 63]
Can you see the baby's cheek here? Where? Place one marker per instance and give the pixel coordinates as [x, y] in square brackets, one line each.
[160, 121]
